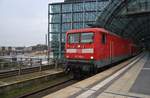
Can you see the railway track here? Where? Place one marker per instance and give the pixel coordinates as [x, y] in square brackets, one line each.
[22, 71]
[49, 89]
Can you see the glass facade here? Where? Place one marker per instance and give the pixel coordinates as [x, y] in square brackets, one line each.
[71, 15]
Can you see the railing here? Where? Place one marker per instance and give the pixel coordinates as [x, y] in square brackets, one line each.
[8, 64]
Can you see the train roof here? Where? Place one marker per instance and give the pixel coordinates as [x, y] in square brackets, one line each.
[91, 29]
[98, 29]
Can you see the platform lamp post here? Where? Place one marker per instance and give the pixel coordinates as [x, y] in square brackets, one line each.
[20, 64]
[48, 43]
[40, 60]
[48, 49]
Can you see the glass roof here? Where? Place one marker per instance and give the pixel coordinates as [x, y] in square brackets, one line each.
[127, 18]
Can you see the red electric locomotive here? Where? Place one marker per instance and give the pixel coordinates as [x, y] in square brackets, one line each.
[92, 48]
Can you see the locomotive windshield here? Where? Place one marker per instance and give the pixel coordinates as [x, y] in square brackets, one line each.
[87, 37]
[80, 37]
[74, 38]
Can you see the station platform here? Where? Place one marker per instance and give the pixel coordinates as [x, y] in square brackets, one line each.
[26, 77]
[130, 79]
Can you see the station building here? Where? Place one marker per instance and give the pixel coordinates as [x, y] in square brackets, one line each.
[71, 14]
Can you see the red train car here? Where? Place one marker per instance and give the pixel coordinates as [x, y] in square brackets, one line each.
[91, 48]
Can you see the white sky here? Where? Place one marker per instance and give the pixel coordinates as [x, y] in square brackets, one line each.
[23, 22]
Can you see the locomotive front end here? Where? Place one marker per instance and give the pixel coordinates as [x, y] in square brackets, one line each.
[80, 53]
[80, 46]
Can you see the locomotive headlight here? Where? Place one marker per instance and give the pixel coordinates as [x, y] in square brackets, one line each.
[92, 57]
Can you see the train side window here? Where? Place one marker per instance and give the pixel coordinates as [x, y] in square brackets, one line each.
[103, 38]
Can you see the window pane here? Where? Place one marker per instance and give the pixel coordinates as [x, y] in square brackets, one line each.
[90, 16]
[66, 27]
[77, 25]
[90, 6]
[78, 16]
[67, 8]
[55, 27]
[54, 41]
[74, 38]
[64, 37]
[87, 37]
[102, 5]
[78, 7]
[67, 17]
[55, 9]
[103, 38]
[55, 18]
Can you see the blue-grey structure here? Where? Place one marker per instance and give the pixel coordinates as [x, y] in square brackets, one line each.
[71, 14]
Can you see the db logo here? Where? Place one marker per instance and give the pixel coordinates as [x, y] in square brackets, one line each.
[79, 50]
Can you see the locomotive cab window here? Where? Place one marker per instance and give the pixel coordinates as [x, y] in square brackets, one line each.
[87, 37]
[74, 38]
[84, 37]
[103, 38]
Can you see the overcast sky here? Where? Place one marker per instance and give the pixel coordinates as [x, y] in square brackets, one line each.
[23, 22]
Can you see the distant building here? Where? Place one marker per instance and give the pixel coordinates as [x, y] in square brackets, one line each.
[27, 49]
[7, 50]
[71, 14]
[39, 47]
[13, 49]
[22, 50]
